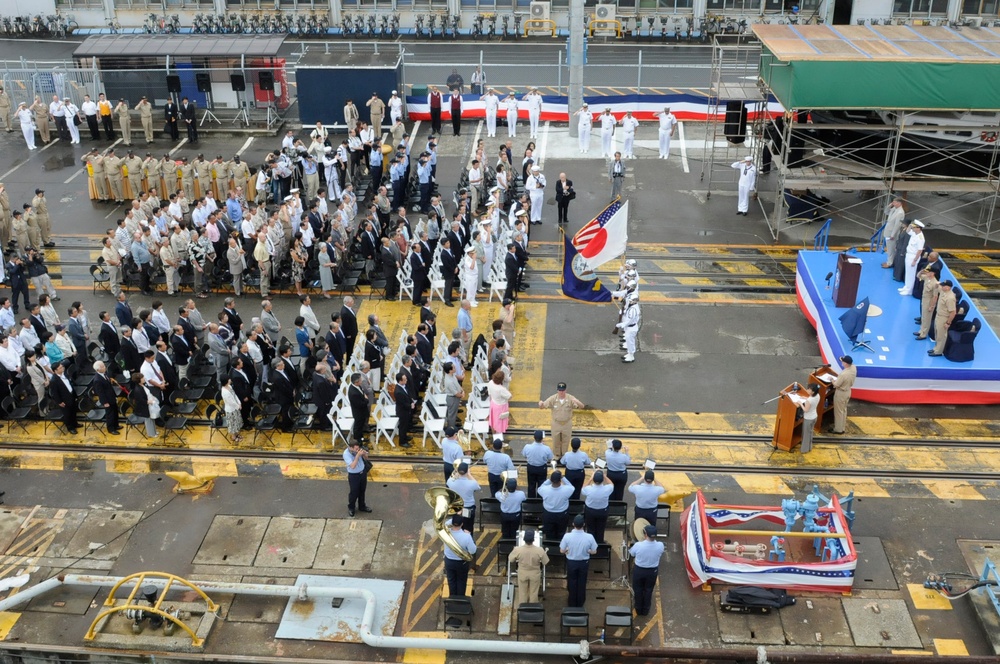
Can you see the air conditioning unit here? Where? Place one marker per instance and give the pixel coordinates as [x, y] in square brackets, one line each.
[540, 10]
[604, 13]
[974, 21]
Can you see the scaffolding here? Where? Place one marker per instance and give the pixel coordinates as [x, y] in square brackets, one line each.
[735, 87]
[874, 137]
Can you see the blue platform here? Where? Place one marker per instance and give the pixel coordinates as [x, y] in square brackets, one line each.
[899, 371]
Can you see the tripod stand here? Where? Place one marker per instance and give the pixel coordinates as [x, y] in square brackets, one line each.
[622, 581]
[243, 112]
[208, 112]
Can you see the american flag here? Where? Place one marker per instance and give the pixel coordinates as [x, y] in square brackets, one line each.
[587, 233]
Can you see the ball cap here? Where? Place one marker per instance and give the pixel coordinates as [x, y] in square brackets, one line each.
[39, 191]
[529, 535]
[463, 467]
[538, 434]
[947, 282]
[847, 359]
[561, 387]
[598, 477]
[450, 431]
[511, 484]
[650, 531]
[649, 476]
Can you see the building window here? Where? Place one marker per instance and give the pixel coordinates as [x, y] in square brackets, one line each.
[738, 6]
[980, 7]
[79, 4]
[918, 8]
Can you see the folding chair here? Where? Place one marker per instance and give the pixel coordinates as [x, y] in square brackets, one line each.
[386, 426]
[433, 425]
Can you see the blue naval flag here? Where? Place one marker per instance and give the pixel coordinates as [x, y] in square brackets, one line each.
[854, 319]
[579, 281]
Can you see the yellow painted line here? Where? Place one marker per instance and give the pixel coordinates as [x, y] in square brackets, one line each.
[949, 490]
[618, 420]
[739, 267]
[303, 470]
[42, 461]
[7, 621]
[220, 467]
[692, 281]
[951, 647]
[969, 256]
[862, 488]
[763, 484]
[398, 474]
[445, 594]
[925, 599]
[912, 652]
[878, 426]
[995, 271]
[413, 656]
[680, 486]
[129, 466]
[705, 421]
[529, 350]
[676, 266]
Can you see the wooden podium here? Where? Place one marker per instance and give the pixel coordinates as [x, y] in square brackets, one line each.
[788, 422]
[845, 283]
[824, 378]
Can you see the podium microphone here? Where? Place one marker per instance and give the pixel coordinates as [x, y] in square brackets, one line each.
[829, 276]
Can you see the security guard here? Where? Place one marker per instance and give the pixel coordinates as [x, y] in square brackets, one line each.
[134, 165]
[146, 118]
[187, 178]
[496, 463]
[647, 492]
[646, 556]
[510, 508]
[455, 568]
[538, 455]
[595, 510]
[555, 506]
[451, 452]
[530, 559]
[467, 487]
[574, 462]
[203, 171]
[617, 459]
[124, 122]
[113, 166]
[577, 546]
[41, 207]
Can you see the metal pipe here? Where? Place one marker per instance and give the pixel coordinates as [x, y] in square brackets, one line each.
[778, 656]
[580, 649]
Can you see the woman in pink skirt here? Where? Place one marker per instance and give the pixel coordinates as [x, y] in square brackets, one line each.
[499, 410]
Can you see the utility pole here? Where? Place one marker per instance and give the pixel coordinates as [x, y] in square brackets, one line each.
[576, 32]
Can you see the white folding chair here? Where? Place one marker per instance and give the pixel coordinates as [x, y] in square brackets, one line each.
[437, 284]
[405, 278]
[480, 429]
[386, 426]
[498, 284]
[433, 426]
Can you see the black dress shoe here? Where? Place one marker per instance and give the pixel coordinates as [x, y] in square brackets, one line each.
[72, 432]
[405, 445]
[365, 509]
[350, 512]
[449, 304]
[933, 354]
[116, 432]
[836, 433]
[916, 320]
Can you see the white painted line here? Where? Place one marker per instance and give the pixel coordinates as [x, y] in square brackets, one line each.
[684, 152]
[84, 169]
[109, 214]
[542, 143]
[179, 146]
[42, 149]
[245, 145]
[416, 128]
[475, 141]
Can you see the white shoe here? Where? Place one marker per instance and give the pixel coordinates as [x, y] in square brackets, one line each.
[473, 304]
[628, 358]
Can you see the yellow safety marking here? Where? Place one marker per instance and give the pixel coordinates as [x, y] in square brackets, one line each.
[303, 470]
[705, 421]
[925, 599]
[42, 461]
[950, 490]
[768, 485]
[917, 459]
[445, 594]
[396, 474]
[862, 488]
[422, 656]
[951, 647]
[739, 267]
[617, 420]
[529, 351]
[994, 271]
[218, 467]
[878, 426]
[129, 465]
[911, 652]
[676, 266]
[656, 620]
[7, 621]
[692, 281]
[822, 456]
[970, 256]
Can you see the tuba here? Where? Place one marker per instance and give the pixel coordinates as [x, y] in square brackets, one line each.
[446, 502]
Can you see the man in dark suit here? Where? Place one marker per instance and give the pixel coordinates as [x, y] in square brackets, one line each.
[404, 408]
[63, 396]
[181, 350]
[283, 392]
[390, 268]
[511, 271]
[360, 410]
[167, 368]
[449, 269]
[235, 321]
[242, 386]
[172, 114]
[78, 335]
[185, 322]
[190, 119]
[349, 324]
[425, 347]
[106, 397]
[108, 336]
[248, 366]
[418, 272]
[336, 343]
[123, 312]
[37, 322]
[324, 391]
[130, 353]
[564, 194]
[428, 316]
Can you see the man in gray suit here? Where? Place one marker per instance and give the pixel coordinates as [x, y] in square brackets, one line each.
[616, 174]
[237, 263]
[219, 350]
[270, 322]
[194, 317]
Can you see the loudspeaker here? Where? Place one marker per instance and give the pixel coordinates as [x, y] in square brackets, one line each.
[238, 82]
[736, 122]
[173, 83]
[204, 82]
[266, 81]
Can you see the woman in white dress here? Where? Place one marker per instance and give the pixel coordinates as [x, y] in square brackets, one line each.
[234, 416]
[470, 276]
